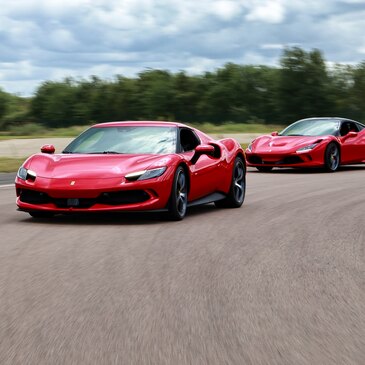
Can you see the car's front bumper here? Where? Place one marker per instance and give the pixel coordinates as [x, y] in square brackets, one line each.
[282, 159]
[92, 195]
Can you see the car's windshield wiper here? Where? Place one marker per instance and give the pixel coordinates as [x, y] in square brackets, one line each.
[66, 151]
[294, 135]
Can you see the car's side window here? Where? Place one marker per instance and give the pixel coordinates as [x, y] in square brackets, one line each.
[347, 127]
[188, 140]
[360, 127]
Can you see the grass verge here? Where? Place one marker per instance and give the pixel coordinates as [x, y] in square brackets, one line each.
[10, 164]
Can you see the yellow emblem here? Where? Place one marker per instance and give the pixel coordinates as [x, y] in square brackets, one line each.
[72, 182]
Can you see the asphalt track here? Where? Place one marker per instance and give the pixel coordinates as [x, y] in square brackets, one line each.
[279, 281]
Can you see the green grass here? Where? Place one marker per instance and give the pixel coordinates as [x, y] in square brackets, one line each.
[10, 164]
[36, 131]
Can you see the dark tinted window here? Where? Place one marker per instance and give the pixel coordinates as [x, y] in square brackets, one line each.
[360, 126]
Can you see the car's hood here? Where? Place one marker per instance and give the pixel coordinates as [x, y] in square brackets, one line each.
[92, 166]
[269, 143]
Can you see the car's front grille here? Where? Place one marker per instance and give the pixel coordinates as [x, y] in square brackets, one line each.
[81, 203]
[123, 197]
[256, 160]
[33, 197]
[288, 160]
[107, 198]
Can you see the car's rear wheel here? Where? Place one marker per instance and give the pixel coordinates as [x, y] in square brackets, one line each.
[237, 191]
[332, 157]
[179, 195]
[41, 214]
[264, 168]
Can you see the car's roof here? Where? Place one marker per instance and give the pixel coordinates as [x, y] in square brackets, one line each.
[145, 123]
[326, 118]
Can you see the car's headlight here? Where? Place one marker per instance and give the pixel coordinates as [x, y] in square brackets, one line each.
[249, 147]
[145, 174]
[26, 174]
[307, 148]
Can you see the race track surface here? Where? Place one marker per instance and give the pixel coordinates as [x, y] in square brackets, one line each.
[279, 281]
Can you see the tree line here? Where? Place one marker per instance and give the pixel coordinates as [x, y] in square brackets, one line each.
[302, 86]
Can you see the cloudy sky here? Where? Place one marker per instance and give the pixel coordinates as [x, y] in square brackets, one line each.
[51, 39]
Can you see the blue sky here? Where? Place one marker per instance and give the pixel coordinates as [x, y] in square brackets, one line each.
[52, 39]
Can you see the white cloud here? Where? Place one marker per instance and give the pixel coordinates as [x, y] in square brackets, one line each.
[272, 46]
[268, 12]
[46, 39]
[225, 10]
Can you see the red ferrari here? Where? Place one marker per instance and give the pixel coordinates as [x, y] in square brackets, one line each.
[313, 142]
[133, 166]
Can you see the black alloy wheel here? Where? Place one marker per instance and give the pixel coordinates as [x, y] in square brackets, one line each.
[237, 191]
[332, 157]
[179, 195]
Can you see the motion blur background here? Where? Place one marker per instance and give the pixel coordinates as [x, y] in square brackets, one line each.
[66, 63]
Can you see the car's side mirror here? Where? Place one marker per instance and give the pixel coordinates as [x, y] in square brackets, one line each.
[274, 134]
[48, 148]
[202, 149]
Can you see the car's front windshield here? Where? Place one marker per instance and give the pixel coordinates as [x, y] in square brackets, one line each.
[312, 127]
[125, 139]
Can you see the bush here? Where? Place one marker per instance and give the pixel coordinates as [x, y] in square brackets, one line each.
[28, 129]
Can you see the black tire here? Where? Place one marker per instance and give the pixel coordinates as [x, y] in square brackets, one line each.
[264, 168]
[40, 215]
[179, 195]
[237, 191]
[332, 157]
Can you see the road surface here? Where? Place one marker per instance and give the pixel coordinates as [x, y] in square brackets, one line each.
[279, 281]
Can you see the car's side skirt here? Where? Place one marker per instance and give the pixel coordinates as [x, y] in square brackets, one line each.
[207, 199]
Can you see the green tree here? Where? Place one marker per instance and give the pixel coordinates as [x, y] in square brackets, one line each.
[341, 93]
[186, 93]
[4, 102]
[53, 104]
[359, 91]
[303, 85]
[155, 93]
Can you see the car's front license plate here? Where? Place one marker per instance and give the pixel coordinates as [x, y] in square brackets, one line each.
[73, 202]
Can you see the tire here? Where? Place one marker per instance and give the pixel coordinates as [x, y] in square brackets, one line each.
[264, 168]
[179, 196]
[237, 191]
[40, 215]
[332, 157]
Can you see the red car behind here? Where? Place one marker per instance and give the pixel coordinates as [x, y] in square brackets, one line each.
[314, 142]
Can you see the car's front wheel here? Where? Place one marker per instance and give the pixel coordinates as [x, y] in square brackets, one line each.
[237, 191]
[179, 195]
[332, 157]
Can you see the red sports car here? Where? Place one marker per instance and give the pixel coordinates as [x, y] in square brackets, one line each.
[133, 166]
[312, 142]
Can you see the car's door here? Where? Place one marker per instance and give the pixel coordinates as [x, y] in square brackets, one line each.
[361, 141]
[352, 136]
[204, 174]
